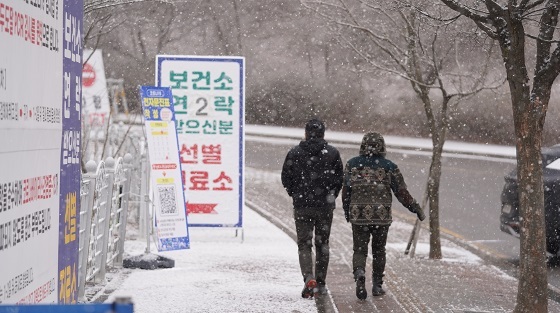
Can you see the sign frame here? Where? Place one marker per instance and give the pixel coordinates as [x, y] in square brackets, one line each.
[240, 62]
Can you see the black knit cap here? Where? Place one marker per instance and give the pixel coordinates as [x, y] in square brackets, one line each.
[314, 128]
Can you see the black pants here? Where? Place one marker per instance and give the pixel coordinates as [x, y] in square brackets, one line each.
[361, 235]
[319, 222]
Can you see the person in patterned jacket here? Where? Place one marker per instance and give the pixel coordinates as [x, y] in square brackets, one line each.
[369, 181]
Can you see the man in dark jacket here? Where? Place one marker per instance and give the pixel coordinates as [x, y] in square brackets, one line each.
[312, 176]
[366, 197]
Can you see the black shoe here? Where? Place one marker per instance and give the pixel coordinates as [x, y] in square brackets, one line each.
[361, 292]
[308, 289]
[321, 290]
[377, 290]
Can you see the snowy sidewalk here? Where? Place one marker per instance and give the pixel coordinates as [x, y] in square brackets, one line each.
[219, 273]
[461, 282]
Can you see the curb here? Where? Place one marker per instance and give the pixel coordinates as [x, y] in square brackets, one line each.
[485, 255]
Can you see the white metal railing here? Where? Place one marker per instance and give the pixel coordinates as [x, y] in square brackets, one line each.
[105, 197]
[119, 210]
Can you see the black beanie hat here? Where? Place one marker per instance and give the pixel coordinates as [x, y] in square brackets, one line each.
[314, 128]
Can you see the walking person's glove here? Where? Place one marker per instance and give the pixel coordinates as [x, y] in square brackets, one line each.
[416, 208]
[420, 214]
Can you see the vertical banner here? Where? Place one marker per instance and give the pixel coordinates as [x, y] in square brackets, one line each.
[209, 95]
[70, 169]
[40, 79]
[96, 108]
[167, 185]
[95, 95]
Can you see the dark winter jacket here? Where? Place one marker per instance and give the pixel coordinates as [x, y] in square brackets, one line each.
[312, 174]
[368, 181]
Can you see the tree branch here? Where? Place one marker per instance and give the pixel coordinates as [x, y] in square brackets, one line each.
[94, 5]
[375, 38]
[529, 6]
[382, 68]
[548, 22]
[466, 11]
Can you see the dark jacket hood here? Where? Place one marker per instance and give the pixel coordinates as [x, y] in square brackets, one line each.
[313, 146]
[373, 144]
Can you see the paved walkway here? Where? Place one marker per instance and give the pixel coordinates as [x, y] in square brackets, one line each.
[423, 285]
[460, 283]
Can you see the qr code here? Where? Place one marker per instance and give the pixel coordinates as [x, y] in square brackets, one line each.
[167, 202]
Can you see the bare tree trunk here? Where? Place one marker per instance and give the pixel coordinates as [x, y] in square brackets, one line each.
[528, 116]
[434, 180]
[310, 63]
[434, 176]
[238, 26]
[438, 140]
[327, 60]
[219, 31]
[529, 120]
[532, 289]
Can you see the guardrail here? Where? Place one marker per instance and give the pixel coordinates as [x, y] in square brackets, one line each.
[105, 196]
[392, 142]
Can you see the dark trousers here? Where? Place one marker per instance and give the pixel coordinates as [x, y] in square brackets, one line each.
[308, 222]
[361, 235]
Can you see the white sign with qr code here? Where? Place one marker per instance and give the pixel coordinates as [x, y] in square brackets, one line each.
[170, 217]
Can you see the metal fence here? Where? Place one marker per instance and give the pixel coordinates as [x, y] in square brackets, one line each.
[105, 197]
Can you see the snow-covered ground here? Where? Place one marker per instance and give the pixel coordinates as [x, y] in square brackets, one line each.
[220, 273]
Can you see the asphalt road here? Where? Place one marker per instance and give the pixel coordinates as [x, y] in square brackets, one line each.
[469, 195]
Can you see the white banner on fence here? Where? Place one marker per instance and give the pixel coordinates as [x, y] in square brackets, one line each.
[96, 106]
[167, 185]
[209, 96]
[40, 103]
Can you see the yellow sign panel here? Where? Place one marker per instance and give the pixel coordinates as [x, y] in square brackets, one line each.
[165, 181]
[158, 124]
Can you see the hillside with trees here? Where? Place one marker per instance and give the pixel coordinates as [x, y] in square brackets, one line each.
[298, 65]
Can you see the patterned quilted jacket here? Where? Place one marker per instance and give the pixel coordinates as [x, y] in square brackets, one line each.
[369, 181]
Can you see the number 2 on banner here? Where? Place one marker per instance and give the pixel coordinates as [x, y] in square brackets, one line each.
[200, 111]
